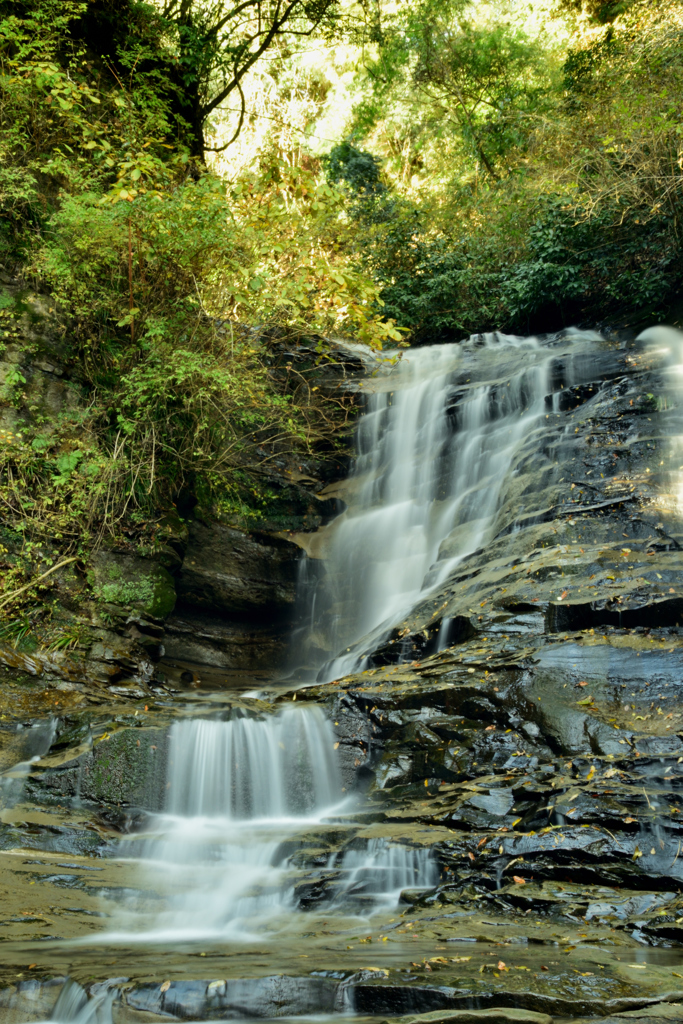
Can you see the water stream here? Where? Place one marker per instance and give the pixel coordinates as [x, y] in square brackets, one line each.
[439, 443]
[442, 443]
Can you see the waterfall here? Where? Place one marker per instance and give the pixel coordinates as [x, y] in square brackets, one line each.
[36, 741]
[381, 870]
[216, 862]
[250, 768]
[74, 1007]
[236, 791]
[437, 445]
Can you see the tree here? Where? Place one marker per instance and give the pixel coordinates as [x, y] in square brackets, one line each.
[218, 42]
[480, 79]
[195, 53]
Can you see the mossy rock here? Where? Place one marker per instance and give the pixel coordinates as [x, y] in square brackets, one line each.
[132, 583]
[126, 767]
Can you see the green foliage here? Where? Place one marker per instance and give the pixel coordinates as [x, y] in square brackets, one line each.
[533, 181]
[167, 282]
[359, 169]
[445, 77]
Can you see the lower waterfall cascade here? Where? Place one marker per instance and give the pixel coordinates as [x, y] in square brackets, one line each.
[237, 792]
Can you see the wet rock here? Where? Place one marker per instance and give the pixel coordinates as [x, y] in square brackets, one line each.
[226, 570]
[276, 996]
[125, 767]
[207, 639]
[131, 582]
[110, 658]
[501, 1015]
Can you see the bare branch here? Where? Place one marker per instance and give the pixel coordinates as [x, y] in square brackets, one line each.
[243, 110]
[239, 73]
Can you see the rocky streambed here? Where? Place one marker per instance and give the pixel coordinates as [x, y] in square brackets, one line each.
[529, 770]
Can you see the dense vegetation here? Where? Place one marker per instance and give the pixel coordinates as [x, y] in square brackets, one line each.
[193, 181]
[533, 161]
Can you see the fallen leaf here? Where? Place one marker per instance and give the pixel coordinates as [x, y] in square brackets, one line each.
[518, 880]
[501, 966]
[583, 683]
[165, 986]
[482, 842]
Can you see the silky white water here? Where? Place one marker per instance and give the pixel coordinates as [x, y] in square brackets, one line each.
[382, 870]
[236, 791]
[437, 444]
[217, 858]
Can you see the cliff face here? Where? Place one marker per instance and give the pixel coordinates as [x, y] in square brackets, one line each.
[133, 603]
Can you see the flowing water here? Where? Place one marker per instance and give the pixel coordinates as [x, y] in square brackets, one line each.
[218, 858]
[236, 791]
[440, 439]
[439, 442]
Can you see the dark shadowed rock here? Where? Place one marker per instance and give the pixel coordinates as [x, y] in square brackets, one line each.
[226, 570]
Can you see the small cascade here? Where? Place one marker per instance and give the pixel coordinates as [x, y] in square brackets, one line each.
[74, 1007]
[236, 792]
[35, 742]
[441, 436]
[377, 874]
[249, 768]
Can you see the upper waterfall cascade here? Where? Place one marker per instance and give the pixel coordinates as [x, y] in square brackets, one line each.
[441, 434]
